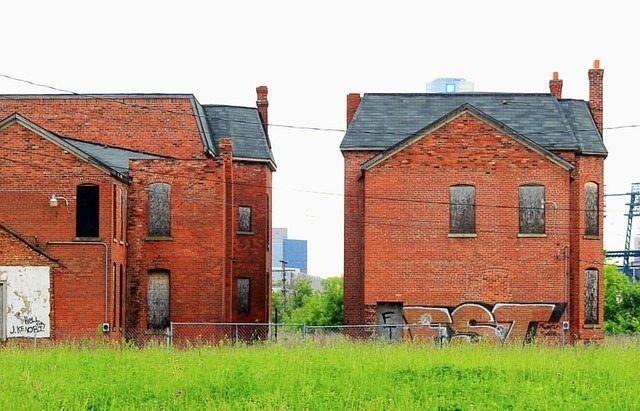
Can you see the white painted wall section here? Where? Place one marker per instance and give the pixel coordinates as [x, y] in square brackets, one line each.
[27, 307]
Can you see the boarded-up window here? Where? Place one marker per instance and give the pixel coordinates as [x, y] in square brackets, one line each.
[159, 210]
[244, 219]
[462, 209]
[591, 217]
[87, 211]
[532, 209]
[158, 300]
[2, 312]
[244, 295]
[591, 296]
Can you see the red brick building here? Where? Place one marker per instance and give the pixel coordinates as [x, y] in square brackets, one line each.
[123, 213]
[476, 215]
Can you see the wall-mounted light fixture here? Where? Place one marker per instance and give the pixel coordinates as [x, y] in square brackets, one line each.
[53, 201]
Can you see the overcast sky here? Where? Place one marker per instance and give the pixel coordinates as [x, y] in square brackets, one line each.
[311, 54]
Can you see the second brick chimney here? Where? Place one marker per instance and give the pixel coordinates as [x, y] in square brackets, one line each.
[353, 101]
[263, 106]
[595, 93]
[555, 86]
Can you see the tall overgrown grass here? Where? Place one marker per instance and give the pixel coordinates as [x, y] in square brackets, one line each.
[339, 376]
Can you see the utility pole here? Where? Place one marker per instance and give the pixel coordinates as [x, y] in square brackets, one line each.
[284, 285]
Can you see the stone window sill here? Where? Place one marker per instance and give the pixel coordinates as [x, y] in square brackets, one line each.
[593, 326]
[245, 232]
[88, 239]
[591, 237]
[159, 238]
[521, 235]
[463, 235]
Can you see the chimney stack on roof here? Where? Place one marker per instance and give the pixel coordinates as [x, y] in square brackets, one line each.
[263, 107]
[353, 101]
[595, 93]
[555, 86]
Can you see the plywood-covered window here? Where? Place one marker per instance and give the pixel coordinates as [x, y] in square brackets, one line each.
[244, 219]
[532, 209]
[159, 210]
[462, 209]
[591, 296]
[244, 295]
[591, 209]
[158, 297]
[87, 211]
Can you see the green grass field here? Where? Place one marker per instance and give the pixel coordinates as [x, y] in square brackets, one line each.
[342, 376]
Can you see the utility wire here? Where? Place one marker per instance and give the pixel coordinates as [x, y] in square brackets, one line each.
[192, 114]
[316, 192]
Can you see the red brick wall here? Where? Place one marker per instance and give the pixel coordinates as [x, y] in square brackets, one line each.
[407, 254]
[163, 126]
[354, 235]
[32, 169]
[586, 251]
[251, 254]
[195, 253]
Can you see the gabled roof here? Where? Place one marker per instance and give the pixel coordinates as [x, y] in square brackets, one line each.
[76, 148]
[25, 242]
[383, 120]
[111, 119]
[244, 126]
[470, 109]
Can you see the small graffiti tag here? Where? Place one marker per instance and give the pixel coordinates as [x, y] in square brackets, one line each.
[29, 325]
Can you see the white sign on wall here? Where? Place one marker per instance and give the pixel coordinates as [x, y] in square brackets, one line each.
[27, 306]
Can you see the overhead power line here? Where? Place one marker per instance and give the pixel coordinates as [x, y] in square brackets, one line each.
[289, 126]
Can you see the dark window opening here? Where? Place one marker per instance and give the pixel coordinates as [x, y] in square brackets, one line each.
[244, 219]
[462, 209]
[158, 300]
[591, 296]
[244, 295]
[87, 211]
[591, 211]
[532, 209]
[160, 210]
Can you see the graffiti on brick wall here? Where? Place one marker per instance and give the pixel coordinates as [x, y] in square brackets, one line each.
[502, 322]
[29, 326]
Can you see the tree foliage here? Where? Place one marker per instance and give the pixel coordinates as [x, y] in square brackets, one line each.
[308, 306]
[621, 303]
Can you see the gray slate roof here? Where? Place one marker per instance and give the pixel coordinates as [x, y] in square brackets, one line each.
[383, 120]
[115, 158]
[244, 126]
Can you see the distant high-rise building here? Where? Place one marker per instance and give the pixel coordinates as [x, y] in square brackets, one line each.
[449, 85]
[284, 248]
[278, 235]
[295, 252]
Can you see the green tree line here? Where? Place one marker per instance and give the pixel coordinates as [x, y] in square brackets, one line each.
[621, 303]
[305, 305]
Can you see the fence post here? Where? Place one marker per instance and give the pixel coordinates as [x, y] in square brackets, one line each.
[168, 335]
[236, 333]
[304, 333]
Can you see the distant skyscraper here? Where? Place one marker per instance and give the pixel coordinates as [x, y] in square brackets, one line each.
[278, 235]
[449, 85]
[293, 251]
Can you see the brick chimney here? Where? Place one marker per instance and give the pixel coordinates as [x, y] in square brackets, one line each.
[595, 93]
[555, 86]
[263, 107]
[353, 101]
